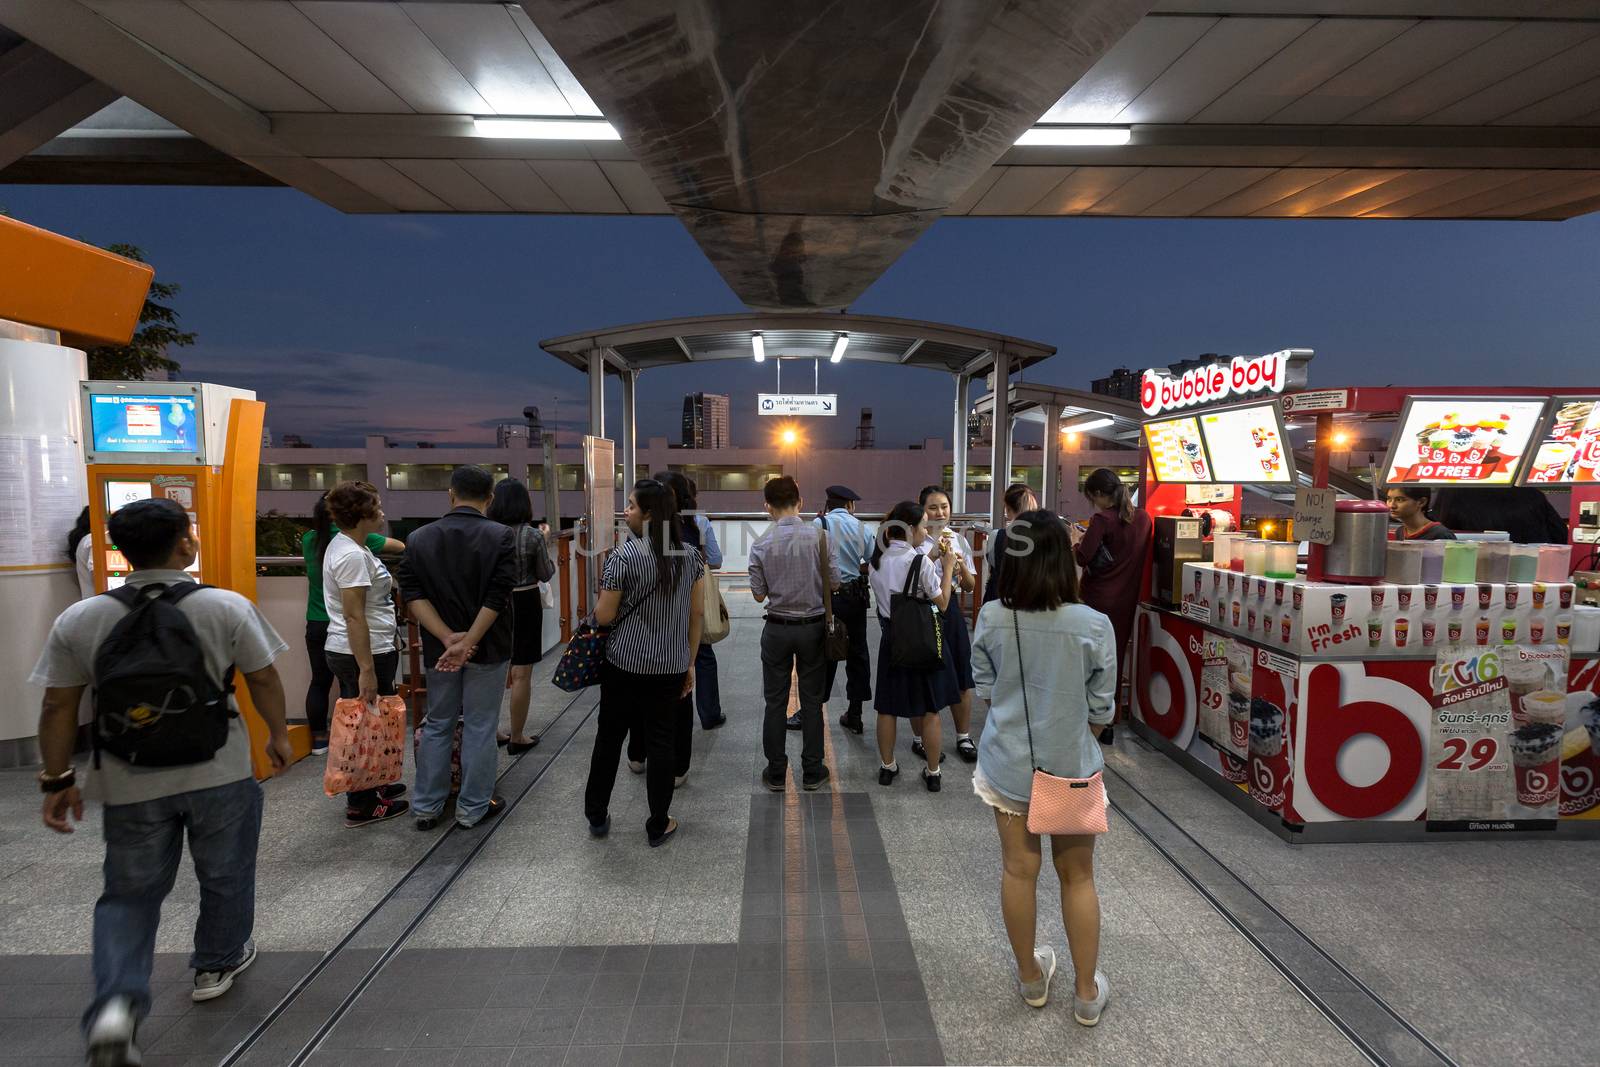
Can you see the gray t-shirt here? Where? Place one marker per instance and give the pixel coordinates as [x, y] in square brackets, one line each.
[231, 631]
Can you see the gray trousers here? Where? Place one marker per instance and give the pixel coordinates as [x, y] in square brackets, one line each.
[796, 649]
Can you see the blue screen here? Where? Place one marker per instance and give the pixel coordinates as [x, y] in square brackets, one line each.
[158, 423]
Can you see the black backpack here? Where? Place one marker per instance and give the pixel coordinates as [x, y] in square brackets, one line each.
[155, 704]
[916, 636]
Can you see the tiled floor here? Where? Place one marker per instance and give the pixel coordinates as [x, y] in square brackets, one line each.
[859, 924]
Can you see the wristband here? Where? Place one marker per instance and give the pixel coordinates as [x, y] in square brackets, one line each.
[57, 783]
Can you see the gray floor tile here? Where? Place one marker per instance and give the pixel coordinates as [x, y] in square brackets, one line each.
[654, 1024]
[620, 988]
[445, 1028]
[807, 1022]
[669, 958]
[809, 1054]
[858, 1022]
[756, 1054]
[547, 1025]
[483, 1056]
[626, 959]
[701, 1056]
[602, 1025]
[663, 987]
[646, 1056]
[593, 1056]
[703, 1023]
[538, 1056]
[863, 1053]
[757, 1023]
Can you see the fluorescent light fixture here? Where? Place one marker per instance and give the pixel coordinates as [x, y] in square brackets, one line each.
[759, 347]
[1089, 424]
[839, 345]
[1076, 135]
[546, 129]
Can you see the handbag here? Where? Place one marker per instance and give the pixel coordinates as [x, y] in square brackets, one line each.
[835, 637]
[916, 633]
[366, 745]
[1059, 806]
[585, 654]
[715, 625]
[1102, 562]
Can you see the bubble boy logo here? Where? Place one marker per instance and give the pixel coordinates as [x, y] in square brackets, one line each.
[1241, 376]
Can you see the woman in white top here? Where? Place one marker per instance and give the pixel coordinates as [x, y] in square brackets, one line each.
[942, 539]
[362, 646]
[80, 549]
[902, 693]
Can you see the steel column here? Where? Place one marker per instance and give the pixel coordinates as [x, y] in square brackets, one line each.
[1000, 447]
[958, 444]
[597, 393]
[630, 436]
[1050, 492]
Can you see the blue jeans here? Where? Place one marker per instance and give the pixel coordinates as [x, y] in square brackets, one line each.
[707, 693]
[475, 693]
[144, 844]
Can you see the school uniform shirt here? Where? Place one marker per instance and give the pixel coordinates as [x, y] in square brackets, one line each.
[349, 565]
[889, 576]
[962, 551]
[654, 637]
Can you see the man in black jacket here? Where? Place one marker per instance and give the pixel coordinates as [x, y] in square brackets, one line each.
[456, 576]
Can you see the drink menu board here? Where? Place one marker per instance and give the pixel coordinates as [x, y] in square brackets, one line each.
[1462, 440]
[1569, 451]
[1247, 444]
[1177, 452]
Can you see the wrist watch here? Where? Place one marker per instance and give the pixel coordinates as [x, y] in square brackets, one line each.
[56, 783]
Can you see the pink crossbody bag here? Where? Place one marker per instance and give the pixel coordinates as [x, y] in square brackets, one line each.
[1059, 806]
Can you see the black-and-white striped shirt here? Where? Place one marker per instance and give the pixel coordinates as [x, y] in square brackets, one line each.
[654, 638]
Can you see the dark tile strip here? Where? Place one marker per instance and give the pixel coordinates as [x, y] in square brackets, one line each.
[1371, 1024]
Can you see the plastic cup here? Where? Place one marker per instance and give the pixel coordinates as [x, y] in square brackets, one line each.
[1277, 593]
[1261, 589]
[1565, 596]
[1563, 629]
[1374, 632]
[1286, 626]
[1429, 630]
[1430, 596]
[1250, 621]
[1299, 596]
[1402, 629]
[1536, 755]
[1508, 630]
[1403, 595]
[1482, 630]
[1540, 591]
[1513, 594]
[1336, 603]
[1458, 597]
[1377, 598]
[1485, 594]
[1453, 630]
[1536, 629]
[1236, 613]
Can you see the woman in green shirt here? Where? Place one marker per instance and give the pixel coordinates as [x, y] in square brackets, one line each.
[313, 546]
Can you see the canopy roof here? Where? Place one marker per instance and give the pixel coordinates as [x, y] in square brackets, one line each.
[785, 335]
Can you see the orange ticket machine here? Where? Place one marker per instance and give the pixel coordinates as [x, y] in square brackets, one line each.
[197, 444]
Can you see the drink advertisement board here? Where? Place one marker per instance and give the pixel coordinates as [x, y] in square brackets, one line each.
[1569, 449]
[1247, 444]
[1462, 440]
[1177, 451]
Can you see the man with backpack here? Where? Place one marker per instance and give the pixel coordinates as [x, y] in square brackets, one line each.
[171, 758]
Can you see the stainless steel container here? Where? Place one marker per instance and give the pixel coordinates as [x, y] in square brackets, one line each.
[1360, 543]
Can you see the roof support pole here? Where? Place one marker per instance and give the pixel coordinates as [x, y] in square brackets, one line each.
[958, 444]
[630, 435]
[1000, 448]
[597, 393]
[1051, 492]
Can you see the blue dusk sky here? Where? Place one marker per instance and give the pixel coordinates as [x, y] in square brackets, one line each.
[426, 327]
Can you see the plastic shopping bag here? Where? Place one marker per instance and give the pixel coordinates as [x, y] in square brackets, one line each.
[366, 745]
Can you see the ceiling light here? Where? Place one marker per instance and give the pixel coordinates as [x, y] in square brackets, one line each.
[759, 347]
[546, 129]
[1099, 423]
[1076, 135]
[838, 348]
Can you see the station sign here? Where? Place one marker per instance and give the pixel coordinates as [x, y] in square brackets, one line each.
[798, 403]
[1240, 377]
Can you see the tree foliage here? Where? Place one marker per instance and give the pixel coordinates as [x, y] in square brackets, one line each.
[147, 352]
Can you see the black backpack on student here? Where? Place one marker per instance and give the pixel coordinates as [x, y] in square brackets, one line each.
[155, 704]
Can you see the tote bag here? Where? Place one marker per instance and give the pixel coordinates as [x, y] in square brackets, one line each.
[715, 625]
[1059, 806]
[366, 745]
[916, 638]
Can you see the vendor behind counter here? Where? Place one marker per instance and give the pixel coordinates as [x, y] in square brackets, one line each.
[1408, 505]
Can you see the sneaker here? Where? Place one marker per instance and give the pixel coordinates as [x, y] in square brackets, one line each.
[497, 804]
[792, 722]
[886, 775]
[1087, 1012]
[111, 1036]
[1037, 992]
[851, 722]
[812, 782]
[966, 749]
[636, 766]
[392, 791]
[382, 811]
[933, 781]
[1108, 735]
[916, 747]
[319, 744]
[775, 780]
[427, 822]
[209, 985]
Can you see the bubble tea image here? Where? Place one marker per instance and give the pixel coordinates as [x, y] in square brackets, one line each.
[1429, 630]
[1269, 761]
[1536, 755]
[1374, 631]
[1430, 596]
[1481, 631]
[1452, 630]
[1402, 631]
[1523, 679]
[1336, 604]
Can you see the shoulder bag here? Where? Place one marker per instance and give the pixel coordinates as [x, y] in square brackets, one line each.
[835, 638]
[585, 654]
[715, 624]
[916, 634]
[1059, 806]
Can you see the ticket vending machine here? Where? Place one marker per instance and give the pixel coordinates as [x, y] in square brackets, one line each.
[199, 445]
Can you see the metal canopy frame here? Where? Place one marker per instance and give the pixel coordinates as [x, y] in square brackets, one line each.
[1055, 406]
[963, 353]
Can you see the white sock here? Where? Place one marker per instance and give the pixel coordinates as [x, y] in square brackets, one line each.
[933, 773]
[895, 766]
[963, 737]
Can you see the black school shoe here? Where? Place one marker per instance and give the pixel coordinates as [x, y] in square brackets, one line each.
[777, 781]
[917, 749]
[666, 835]
[887, 775]
[851, 722]
[812, 782]
[1108, 735]
[965, 749]
[932, 781]
[792, 722]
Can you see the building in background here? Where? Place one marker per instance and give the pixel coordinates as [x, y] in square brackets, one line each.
[294, 440]
[1121, 383]
[705, 420]
[512, 435]
[866, 435]
[266, 437]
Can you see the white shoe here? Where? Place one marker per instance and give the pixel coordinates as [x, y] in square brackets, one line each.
[636, 766]
[209, 985]
[111, 1036]
[1087, 1012]
[1037, 993]
[677, 783]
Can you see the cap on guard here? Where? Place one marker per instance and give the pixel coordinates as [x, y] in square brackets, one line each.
[842, 492]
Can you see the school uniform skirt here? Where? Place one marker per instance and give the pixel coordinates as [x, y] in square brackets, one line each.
[959, 641]
[913, 694]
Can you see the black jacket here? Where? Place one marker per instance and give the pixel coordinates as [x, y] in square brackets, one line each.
[459, 564]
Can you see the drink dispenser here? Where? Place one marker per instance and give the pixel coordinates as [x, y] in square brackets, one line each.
[1360, 542]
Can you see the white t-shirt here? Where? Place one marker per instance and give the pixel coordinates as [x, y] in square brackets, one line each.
[889, 576]
[349, 565]
[83, 563]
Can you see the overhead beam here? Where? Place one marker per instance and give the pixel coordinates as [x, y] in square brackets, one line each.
[40, 96]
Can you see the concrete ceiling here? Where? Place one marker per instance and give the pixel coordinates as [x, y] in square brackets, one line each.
[762, 130]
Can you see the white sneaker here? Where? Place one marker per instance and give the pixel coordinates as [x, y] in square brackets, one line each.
[1037, 992]
[111, 1036]
[636, 766]
[1087, 1012]
[209, 985]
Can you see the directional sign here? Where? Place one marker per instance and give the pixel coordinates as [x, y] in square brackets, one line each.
[798, 403]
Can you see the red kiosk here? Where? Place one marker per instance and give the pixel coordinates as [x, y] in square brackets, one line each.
[1367, 692]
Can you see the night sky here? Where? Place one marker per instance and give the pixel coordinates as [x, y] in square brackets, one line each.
[426, 327]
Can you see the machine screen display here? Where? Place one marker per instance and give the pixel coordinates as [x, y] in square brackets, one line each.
[1247, 444]
[1177, 453]
[1569, 451]
[1462, 441]
[125, 423]
[120, 494]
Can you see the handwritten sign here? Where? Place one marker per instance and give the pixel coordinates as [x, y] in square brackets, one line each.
[1313, 515]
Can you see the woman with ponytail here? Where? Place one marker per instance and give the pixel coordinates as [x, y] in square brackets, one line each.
[1113, 552]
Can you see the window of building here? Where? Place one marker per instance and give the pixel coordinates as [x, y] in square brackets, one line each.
[727, 478]
[1129, 476]
[317, 477]
[429, 477]
[978, 477]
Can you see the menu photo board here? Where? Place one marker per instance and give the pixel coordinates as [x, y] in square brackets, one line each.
[1458, 440]
[1177, 451]
[1248, 444]
[1568, 450]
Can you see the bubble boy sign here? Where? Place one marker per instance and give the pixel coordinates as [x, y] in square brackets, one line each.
[1239, 377]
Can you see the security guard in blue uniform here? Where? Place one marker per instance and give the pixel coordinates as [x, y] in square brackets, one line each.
[851, 547]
